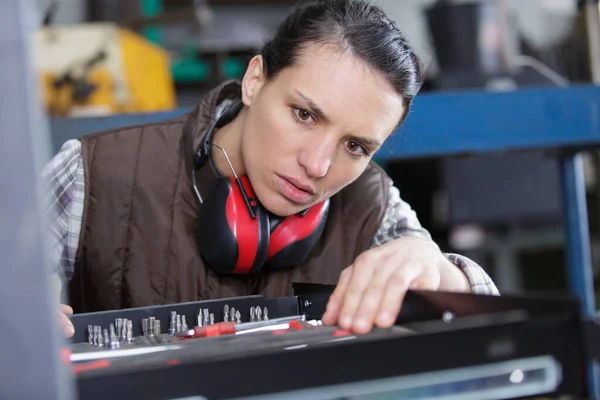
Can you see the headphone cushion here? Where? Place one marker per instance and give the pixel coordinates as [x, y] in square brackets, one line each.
[228, 238]
[293, 239]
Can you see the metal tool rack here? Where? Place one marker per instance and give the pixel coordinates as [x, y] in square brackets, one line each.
[504, 336]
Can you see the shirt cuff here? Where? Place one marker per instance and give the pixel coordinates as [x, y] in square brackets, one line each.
[479, 280]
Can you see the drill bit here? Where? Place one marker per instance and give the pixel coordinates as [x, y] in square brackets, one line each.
[94, 337]
[106, 339]
[114, 340]
[145, 327]
[178, 324]
[90, 334]
[206, 319]
[252, 314]
[97, 335]
[212, 318]
[258, 314]
[151, 326]
[265, 314]
[119, 324]
[122, 332]
[129, 331]
[100, 338]
[238, 317]
[119, 328]
[184, 325]
[232, 315]
[173, 324]
[226, 313]
[199, 319]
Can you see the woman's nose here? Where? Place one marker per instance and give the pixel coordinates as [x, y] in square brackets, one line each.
[316, 160]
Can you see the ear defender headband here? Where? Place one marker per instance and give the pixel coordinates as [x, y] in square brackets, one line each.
[236, 234]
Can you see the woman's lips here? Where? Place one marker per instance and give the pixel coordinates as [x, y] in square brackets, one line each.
[290, 190]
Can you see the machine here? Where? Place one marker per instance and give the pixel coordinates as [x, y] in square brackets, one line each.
[101, 69]
[443, 346]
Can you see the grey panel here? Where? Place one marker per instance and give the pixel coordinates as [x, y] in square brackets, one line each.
[29, 340]
[516, 188]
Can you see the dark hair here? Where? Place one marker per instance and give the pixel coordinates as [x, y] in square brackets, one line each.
[356, 25]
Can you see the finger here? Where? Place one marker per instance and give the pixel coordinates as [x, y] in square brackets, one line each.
[361, 277]
[334, 304]
[66, 309]
[395, 291]
[370, 303]
[67, 325]
[426, 282]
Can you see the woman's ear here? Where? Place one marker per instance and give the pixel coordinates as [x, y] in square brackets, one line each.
[253, 80]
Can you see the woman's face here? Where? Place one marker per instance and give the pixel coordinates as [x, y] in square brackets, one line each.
[313, 129]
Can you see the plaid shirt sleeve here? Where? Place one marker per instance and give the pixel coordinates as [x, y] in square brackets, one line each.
[64, 188]
[401, 220]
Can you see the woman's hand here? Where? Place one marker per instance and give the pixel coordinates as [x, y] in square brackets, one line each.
[64, 321]
[371, 290]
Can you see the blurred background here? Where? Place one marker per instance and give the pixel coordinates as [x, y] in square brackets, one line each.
[101, 58]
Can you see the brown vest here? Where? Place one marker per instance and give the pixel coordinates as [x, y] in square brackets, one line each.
[137, 245]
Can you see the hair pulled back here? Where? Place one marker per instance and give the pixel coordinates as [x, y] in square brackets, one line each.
[354, 25]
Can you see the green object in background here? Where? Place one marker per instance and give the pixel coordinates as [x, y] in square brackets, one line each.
[190, 70]
[186, 69]
[152, 8]
[232, 68]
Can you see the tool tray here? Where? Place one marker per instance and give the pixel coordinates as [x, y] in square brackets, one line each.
[446, 342]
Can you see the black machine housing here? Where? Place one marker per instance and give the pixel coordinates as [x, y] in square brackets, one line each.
[438, 335]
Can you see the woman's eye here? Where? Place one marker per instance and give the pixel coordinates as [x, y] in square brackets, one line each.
[355, 148]
[302, 115]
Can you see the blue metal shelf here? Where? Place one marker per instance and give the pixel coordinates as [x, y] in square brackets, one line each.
[480, 122]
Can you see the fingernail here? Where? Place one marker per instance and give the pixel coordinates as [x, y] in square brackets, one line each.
[386, 318]
[69, 329]
[346, 322]
[361, 324]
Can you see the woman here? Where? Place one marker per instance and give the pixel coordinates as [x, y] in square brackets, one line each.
[300, 130]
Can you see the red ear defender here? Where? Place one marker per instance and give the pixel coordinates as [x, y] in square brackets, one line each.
[292, 240]
[229, 239]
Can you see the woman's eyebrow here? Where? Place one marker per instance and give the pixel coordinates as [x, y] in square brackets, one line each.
[314, 108]
[367, 141]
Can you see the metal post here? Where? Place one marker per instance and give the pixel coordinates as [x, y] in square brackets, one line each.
[591, 16]
[29, 350]
[578, 247]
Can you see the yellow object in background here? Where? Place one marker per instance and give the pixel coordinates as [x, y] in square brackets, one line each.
[101, 69]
